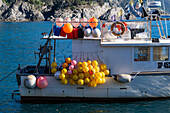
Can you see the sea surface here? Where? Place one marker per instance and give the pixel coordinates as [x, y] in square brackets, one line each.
[18, 41]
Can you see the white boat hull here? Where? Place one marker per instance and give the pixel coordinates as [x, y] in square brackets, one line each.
[142, 87]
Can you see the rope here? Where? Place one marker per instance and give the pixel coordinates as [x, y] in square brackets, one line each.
[8, 75]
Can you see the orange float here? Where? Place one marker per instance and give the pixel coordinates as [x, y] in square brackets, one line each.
[68, 28]
[93, 22]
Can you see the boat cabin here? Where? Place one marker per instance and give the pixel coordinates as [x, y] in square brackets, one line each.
[134, 51]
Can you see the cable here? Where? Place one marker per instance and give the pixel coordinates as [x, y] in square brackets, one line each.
[8, 75]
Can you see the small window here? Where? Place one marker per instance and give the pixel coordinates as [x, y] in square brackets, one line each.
[160, 53]
[141, 54]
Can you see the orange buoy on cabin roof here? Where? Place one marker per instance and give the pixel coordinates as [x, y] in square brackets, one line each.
[68, 28]
[94, 22]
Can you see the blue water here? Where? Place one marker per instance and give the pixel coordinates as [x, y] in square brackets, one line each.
[18, 41]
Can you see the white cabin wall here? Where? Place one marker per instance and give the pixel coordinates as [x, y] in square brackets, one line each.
[86, 49]
[146, 66]
[143, 66]
[118, 59]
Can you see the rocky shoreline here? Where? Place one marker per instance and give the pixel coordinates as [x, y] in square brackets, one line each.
[24, 11]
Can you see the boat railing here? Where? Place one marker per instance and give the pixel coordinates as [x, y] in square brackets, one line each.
[134, 30]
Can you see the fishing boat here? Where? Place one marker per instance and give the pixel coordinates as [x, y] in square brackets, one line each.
[130, 64]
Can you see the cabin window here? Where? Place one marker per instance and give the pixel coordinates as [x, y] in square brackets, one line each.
[141, 54]
[160, 53]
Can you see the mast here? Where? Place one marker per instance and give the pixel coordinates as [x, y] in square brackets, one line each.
[165, 18]
[45, 47]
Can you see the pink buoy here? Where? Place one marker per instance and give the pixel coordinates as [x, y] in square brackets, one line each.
[59, 21]
[67, 20]
[75, 22]
[71, 67]
[73, 62]
[42, 82]
[69, 72]
[83, 21]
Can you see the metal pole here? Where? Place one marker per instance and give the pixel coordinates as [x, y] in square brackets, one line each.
[158, 27]
[54, 50]
[150, 27]
[165, 19]
[162, 26]
[49, 56]
[101, 30]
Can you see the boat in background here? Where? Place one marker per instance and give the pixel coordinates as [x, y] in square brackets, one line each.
[129, 64]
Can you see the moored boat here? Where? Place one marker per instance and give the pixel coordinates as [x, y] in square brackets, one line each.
[135, 64]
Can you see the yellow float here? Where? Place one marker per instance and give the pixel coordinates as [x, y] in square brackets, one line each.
[81, 76]
[89, 62]
[53, 70]
[94, 63]
[85, 69]
[54, 65]
[86, 75]
[64, 81]
[72, 82]
[62, 76]
[80, 82]
[79, 64]
[106, 72]
[80, 69]
[84, 64]
[90, 67]
[64, 71]
[103, 66]
[75, 77]
[90, 73]
[97, 69]
[75, 71]
[86, 80]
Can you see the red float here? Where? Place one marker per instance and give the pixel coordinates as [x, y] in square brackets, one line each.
[42, 82]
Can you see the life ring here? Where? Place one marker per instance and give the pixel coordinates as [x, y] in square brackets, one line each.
[125, 25]
[123, 28]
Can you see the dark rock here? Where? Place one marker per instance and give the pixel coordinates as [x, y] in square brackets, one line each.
[38, 16]
[24, 11]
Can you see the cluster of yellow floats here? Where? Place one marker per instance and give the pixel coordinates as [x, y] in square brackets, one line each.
[82, 73]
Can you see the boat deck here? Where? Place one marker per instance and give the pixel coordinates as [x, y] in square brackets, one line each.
[119, 42]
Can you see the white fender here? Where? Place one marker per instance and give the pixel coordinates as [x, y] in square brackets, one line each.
[30, 82]
[124, 78]
[57, 74]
